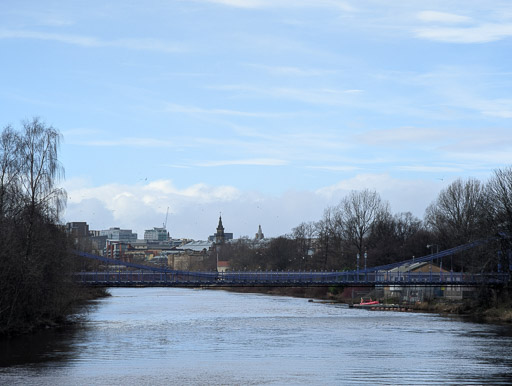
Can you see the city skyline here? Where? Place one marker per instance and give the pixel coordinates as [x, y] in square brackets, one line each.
[266, 111]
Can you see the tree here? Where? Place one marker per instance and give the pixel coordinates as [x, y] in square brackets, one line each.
[395, 238]
[279, 255]
[359, 213]
[9, 170]
[39, 172]
[304, 234]
[499, 190]
[331, 245]
[35, 267]
[458, 214]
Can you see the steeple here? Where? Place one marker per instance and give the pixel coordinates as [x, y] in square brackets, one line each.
[220, 227]
[219, 236]
[259, 234]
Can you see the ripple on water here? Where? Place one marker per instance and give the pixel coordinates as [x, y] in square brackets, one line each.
[178, 336]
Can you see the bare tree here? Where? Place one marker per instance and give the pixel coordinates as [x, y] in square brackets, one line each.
[9, 169]
[395, 238]
[304, 234]
[458, 213]
[499, 191]
[37, 287]
[359, 211]
[40, 170]
[330, 239]
[406, 225]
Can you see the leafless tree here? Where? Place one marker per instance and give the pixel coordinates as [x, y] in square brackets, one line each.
[458, 213]
[304, 235]
[9, 169]
[406, 225]
[331, 248]
[40, 170]
[359, 211]
[499, 191]
[35, 267]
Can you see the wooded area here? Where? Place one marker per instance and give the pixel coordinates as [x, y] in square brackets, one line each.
[362, 224]
[35, 267]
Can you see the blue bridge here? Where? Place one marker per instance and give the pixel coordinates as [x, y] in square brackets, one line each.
[126, 274]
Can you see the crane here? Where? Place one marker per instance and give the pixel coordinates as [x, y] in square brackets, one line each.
[166, 216]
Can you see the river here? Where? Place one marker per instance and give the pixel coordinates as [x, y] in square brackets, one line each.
[163, 336]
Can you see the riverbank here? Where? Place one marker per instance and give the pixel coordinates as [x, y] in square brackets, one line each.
[80, 298]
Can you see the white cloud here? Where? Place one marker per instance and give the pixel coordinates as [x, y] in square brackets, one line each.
[431, 169]
[140, 207]
[253, 161]
[400, 135]
[464, 89]
[142, 142]
[88, 41]
[238, 3]
[483, 33]
[403, 195]
[336, 4]
[176, 108]
[292, 71]
[335, 168]
[80, 132]
[501, 108]
[442, 17]
[313, 96]
[193, 211]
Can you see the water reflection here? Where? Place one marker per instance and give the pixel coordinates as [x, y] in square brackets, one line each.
[162, 336]
[42, 347]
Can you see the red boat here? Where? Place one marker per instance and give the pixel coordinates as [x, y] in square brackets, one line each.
[368, 303]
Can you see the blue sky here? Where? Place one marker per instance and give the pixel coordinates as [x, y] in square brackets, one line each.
[266, 111]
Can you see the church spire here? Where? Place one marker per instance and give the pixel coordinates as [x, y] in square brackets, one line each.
[259, 234]
[220, 237]
[220, 223]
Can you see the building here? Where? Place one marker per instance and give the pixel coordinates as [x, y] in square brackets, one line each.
[220, 237]
[81, 236]
[418, 292]
[77, 229]
[259, 235]
[98, 243]
[223, 266]
[189, 255]
[156, 234]
[121, 235]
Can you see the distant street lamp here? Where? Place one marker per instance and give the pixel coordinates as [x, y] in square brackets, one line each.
[357, 266]
[365, 272]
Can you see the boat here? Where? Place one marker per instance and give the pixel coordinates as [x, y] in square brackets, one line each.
[365, 303]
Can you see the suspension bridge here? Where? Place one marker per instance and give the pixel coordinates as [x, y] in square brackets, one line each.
[126, 274]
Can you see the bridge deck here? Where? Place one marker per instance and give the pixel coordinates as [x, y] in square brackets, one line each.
[285, 279]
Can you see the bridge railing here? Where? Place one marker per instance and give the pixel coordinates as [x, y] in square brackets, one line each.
[289, 278]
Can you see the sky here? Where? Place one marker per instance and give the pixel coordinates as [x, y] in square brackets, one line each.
[174, 111]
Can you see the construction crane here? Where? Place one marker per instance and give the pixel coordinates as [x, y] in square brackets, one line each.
[166, 216]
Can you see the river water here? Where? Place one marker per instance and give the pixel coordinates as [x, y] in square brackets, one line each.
[162, 336]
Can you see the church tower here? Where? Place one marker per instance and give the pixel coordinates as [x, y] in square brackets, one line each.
[259, 235]
[219, 236]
